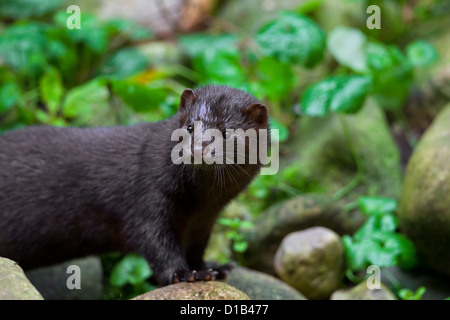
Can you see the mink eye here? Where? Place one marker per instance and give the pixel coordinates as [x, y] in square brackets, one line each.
[226, 135]
[190, 128]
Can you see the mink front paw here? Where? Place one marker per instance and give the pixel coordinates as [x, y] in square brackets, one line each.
[194, 275]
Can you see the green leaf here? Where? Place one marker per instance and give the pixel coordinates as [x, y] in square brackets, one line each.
[51, 89]
[293, 38]
[347, 46]
[377, 205]
[240, 246]
[392, 74]
[83, 101]
[406, 294]
[24, 46]
[270, 71]
[344, 94]
[21, 9]
[421, 53]
[132, 269]
[139, 97]
[93, 34]
[221, 67]
[9, 96]
[125, 62]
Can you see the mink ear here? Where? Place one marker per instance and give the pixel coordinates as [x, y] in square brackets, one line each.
[187, 97]
[258, 113]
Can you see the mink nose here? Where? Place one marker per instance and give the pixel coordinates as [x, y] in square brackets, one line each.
[199, 149]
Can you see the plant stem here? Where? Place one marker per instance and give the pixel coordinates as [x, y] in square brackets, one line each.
[357, 178]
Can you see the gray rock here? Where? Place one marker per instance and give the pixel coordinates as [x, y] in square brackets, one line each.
[201, 290]
[424, 207]
[14, 285]
[52, 281]
[261, 286]
[362, 292]
[311, 261]
[322, 152]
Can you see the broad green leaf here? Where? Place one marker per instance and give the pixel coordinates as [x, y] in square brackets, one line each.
[82, 102]
[406, 294]
[132, 269]
[221, 67]
[275, 78]
[139, 97]
[347, 46]
[377, 205]
[51, 89]
[20, 9]
[93, 33]
[125, 62]
[24, 47]
[344, 94]
[240, 246]
[293, 38]
[10, 95]
[392, 74]
[421, 53]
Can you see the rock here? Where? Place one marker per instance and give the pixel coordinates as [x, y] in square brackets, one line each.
[312, 261]
[52, 281]
[14, 285]
[201, 290]
[296, 214]
[424, 206]
[362, 292]
[437, 287]
[321, 149]
[261, 286]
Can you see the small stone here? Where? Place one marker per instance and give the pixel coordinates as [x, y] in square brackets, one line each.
[311, 261]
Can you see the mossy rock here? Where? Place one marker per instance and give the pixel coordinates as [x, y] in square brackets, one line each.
[424, 208]
[201, 290]
[14, 285]
[322, 152]
[261, 286]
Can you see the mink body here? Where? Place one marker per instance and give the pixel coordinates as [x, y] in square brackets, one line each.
[71, 192]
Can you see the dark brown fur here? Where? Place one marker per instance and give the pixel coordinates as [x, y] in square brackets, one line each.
[71, 192]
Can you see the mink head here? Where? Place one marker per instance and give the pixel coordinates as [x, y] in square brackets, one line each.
[222, 108]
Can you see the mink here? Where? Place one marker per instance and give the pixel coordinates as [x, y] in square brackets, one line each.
[69, 192]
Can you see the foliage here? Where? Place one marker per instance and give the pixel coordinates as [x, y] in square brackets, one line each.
[293, 38]
[378, 242]
[96, 76]
[128, 276]
[57, 76]
[233, 233]
[406, 294]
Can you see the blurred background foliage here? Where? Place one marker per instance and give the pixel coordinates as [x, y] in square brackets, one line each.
[307, 60]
